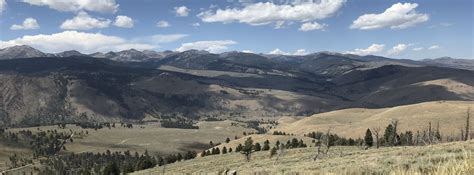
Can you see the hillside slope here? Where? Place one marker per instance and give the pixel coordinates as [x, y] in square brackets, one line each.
[446, 158]
[48, 90]
[354, 122]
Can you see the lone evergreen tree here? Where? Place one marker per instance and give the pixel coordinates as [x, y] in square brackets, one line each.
[224, 150]
[369, 141]
[247, 149]
[266, 145]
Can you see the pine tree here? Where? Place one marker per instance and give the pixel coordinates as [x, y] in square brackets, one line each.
[266, 145]
[301, 144]
[230, 150]
[294, 143]
[239, 148]
[111, 169]
[203, 153]
[257, 147]
[273, 151]
[227, 140]
[224, 150]
[388, 135]
[179, 157]
[369, 141]
[248, 148]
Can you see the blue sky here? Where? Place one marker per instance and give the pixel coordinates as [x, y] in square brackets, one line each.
[398, 29]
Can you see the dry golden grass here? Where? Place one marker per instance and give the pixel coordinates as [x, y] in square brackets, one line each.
[354, 122]
[152, 137]
[447, 158]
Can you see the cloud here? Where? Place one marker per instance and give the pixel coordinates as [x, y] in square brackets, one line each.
[312, 26]
[277, 51]
[28, 23]
[247, 51]
[372, 49]
[279, 24]
[300, 52]
[417, 48]
[123, 21]
[434, 47]
[398, 16]
[3, 4]
[396, 50]
[182, 11]
[162, 24]
[215, 46]
[103, 6]
[196, 24]
[84, 22]
[267, 13]
[168, 38]
[80, 41]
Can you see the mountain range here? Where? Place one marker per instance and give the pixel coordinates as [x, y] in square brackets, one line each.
[44, 88]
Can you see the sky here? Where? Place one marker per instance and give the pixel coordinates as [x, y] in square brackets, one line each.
[414, 29]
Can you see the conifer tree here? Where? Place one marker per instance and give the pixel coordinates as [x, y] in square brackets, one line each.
[369, 140]
[266, 145]
[257, 147]
[224, 150]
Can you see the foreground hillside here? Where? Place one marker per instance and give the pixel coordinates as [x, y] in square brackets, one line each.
[448, 158]
[355, 121]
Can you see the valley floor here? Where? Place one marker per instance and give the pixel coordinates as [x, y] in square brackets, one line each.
[446, 158]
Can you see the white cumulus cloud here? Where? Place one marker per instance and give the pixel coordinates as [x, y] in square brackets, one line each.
[277, 51]
[162, 24]
[300, 52]
[103, 6]
[3, 4]
[396, 50]
[123, 21]
[84, 22]
[263, 13]
[417, 48]
[433, 47]
[28, 23]
[168, 38]
[80, 41]
[372, 49]
[312, 26]
[215, 46]
[182, 11]
[398, 16]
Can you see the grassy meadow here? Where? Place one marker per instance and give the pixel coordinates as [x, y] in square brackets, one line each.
[151, 137]
[446, 158]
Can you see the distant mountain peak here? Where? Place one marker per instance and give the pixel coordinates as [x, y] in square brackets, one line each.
[20, 51]
[69, 53]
